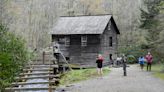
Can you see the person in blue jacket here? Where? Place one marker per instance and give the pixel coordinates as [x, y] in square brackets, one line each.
[141, 62]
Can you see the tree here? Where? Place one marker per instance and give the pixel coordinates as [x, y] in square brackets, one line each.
[152, 22]
[13, 55]
[92, 7]
[149, 20]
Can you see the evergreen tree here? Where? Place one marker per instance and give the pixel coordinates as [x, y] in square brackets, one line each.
[152, 23]
[149, 20]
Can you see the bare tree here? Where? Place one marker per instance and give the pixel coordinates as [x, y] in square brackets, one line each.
[34, 19]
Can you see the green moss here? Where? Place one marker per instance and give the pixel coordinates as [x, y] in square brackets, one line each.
[79, 75]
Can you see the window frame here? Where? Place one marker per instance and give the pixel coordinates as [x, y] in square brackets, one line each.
[61, 40]
[111, 41]
[67, 41]
[84, 41]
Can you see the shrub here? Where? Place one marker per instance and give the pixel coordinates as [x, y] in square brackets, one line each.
[131, 59]
[133, 53]
[13, 55]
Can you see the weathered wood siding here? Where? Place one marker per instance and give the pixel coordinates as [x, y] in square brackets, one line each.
[106, 49]
[79, 54]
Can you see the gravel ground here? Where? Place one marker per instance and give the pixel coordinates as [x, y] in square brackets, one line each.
[135, 81]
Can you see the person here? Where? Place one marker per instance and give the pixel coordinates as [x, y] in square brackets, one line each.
[141, 62]
[149, 59]
[56, 51]
[124, 64]
[112, 62]
[118, 61]
[55, 47]
[99, 62]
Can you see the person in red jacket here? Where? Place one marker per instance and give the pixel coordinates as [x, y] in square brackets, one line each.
[149, 59]
[99, 62]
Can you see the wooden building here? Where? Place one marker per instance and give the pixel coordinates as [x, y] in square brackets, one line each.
[82, 38]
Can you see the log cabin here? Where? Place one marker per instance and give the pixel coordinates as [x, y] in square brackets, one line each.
[82, 38]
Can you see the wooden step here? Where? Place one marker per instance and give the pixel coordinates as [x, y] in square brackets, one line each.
[26, 89]
[41, 62]
[27, 83]
[22, 74]
[42, 69]
[36, 77]
[43, 65]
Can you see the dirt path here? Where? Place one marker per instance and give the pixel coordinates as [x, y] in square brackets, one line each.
[136, 81]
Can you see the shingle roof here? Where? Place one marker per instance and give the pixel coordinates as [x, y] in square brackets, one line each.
[81, 25]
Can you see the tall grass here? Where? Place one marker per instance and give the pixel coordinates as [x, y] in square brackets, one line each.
[79, 75]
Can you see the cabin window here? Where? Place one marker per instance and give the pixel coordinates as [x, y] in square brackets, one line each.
[110, 41]
[109, 25]
[67, 41]
[61, 40]
[84, 40]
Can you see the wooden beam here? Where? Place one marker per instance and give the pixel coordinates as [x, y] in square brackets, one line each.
[52, 66]
[43, 69]
[27, 83]
[19, 89]
[22, 74]
[29, 77]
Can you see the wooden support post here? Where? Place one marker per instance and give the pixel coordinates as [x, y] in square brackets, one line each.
[43, 56]
[50, 89]
[64, 68]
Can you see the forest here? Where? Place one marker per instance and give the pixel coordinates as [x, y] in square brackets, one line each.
[34, 19]
[26, 25]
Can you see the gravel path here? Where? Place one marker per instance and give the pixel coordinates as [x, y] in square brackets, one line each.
[136, 81]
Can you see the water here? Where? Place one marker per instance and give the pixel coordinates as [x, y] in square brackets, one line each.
[36, 80]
